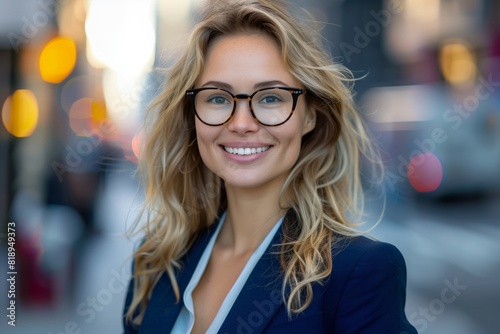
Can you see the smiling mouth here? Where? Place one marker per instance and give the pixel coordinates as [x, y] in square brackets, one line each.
[245, 150]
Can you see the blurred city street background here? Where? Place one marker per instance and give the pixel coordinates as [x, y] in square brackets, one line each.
[76, 77]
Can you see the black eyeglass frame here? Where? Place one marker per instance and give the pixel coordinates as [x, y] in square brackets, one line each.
[296, 92]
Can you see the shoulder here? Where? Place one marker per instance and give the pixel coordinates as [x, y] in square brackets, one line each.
[362, 244]
[352, 252]
[361, 263]
[367, 288]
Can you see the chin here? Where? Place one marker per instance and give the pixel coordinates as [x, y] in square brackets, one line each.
[243, 184]
[246, 182]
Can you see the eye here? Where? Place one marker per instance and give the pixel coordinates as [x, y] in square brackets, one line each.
[217, 99]
[270, 99]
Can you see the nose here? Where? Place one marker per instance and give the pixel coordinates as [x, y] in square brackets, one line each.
[243, 120]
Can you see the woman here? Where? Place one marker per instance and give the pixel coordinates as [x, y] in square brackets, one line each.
[252, 179]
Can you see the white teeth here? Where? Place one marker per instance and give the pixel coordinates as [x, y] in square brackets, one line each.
[245, 150]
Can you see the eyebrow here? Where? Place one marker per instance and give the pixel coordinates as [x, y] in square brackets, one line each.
[263, 84]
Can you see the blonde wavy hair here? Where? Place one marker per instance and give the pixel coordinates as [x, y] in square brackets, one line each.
[323, 191]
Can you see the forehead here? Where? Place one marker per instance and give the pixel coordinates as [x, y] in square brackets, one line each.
[245, 59]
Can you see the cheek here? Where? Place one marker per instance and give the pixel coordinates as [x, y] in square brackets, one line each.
[293, 138]
[291, 141]
[296, 147]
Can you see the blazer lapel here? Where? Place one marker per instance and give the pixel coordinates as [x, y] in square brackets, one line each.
[163, 309]
[260, 297]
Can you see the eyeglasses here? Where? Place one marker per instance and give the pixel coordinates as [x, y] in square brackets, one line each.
[270, 106]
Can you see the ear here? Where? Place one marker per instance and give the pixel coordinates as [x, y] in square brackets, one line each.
[310, 120]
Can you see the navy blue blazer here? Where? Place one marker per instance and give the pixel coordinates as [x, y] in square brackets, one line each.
[365, 293]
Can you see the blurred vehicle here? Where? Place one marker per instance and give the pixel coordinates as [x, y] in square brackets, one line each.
[458, 126]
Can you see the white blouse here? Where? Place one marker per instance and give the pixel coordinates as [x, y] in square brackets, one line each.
[185, 320]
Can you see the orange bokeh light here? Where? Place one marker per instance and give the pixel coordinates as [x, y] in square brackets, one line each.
[57, 60]
[457, 63]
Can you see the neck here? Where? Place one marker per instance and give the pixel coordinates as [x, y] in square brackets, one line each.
[251, 214]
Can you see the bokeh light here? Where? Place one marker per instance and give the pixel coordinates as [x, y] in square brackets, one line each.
[86, 117]
[457, 63]
[137, 144]
[122, 100]
[20, 113]
[425, 172]
[80, 117]
[98, 113]
[123, 40]
[57, 60]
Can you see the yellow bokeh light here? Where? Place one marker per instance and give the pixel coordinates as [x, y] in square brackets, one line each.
[457, 63]
[98, 112]
[20, 113]
[58, 59]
